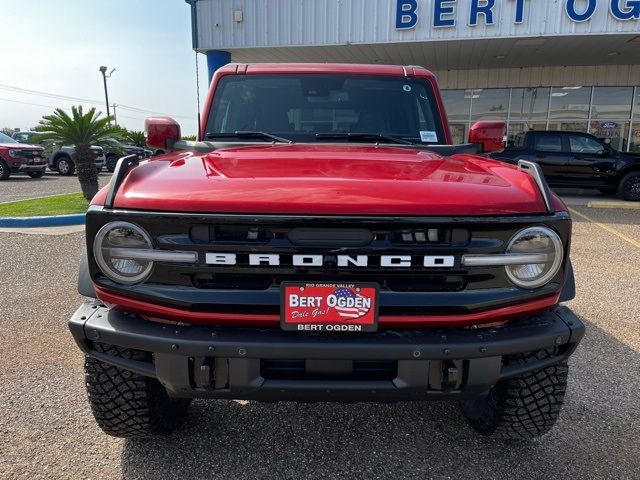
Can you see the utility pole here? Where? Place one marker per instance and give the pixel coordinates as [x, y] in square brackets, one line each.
[115, 119]
[103, 70]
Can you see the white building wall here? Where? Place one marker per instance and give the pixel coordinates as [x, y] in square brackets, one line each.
[271, 23]
[602, 75]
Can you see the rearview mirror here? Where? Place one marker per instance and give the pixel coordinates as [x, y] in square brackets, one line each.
[491, 134]
[161, 132]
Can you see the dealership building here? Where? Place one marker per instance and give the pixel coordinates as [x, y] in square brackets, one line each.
[537, 64]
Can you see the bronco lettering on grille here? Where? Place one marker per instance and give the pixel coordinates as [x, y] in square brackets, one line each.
[343, 261]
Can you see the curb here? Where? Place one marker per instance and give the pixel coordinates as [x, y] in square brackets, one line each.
[619, 204]
[52, 221]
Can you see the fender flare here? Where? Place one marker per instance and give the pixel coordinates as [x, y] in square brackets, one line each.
[85, 284]
[569, 288]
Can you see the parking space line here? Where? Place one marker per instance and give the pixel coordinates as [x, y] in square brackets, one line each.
[615, 232]
[629, 205]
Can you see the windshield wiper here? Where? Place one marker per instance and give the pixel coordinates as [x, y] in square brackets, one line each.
[364, 137]
[247, 134]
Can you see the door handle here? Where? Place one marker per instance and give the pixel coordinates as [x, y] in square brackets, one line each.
[578, 158]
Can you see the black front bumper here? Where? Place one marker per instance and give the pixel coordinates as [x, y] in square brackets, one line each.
[26, 168]
[266, 364]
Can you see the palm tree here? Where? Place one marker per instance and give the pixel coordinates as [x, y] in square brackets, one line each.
[81, 130]
[136, 138]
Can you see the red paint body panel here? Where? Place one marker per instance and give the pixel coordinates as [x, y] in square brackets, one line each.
[497, 315]
[328, 180]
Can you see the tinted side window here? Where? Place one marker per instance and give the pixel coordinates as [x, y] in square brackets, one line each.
[582, 144]
[548, 143]
[518, 141]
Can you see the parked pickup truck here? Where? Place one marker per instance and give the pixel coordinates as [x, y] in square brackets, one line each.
[577, 160]
[324, 241]
[16, 157]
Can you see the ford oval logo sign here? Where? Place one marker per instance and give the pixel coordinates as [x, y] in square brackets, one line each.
[609, 125]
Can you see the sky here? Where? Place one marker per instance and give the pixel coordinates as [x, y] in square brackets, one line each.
[57, 46]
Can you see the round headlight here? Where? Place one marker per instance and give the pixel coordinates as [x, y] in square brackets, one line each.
[545, 246]
[114, 250]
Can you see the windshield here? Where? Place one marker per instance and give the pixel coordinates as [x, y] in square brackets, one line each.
[6, 139]
[306, 107]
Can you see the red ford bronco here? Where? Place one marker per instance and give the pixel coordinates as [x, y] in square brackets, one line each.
[324, 241]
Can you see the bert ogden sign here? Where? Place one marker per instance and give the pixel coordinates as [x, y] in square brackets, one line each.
[444, 11]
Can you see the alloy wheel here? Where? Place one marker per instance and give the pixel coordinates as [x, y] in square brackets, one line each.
[63, 166]
[632, 186]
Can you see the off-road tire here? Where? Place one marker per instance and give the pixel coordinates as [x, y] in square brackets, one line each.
[36, 174]
[4, 170]
[111, 162]
[126, 404]
[523, 407]
[65, 172]
[629, 188]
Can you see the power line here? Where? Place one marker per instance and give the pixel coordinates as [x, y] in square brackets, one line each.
[52, 107]
[45, 94]
[85, 100]
[27, 103]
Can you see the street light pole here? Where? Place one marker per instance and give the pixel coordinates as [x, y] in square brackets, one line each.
[115, 118]
[103, 70]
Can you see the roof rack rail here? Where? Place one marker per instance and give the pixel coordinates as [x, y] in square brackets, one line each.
[122, 169]
[535, 171]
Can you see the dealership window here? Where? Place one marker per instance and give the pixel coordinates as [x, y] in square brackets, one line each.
[616, 131]
[606, 114]
[489, 104]
[568, 126]
[529, 105]
[570, 103]
[611, 103]
[634, 143]
[458, 106]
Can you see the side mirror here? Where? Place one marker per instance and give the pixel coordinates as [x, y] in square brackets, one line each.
[605, 152]
[161, 132]
[491, 134]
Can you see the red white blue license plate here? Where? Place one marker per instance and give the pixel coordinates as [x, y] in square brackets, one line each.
[329, 307]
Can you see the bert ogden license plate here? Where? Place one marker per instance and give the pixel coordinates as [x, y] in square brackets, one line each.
[329, 307]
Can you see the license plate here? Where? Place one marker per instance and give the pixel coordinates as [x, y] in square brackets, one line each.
[329, 307]
[37, 160]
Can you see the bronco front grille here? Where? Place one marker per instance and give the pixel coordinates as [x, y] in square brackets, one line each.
[240, 286]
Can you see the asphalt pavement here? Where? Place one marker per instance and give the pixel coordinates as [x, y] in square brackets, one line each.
[47, 430]
[22, 187]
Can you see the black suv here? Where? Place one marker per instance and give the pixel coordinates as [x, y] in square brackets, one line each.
[577, 160]
[116, 150]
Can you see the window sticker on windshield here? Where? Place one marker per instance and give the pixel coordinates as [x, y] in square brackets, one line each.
[407, 88]
[428, 136]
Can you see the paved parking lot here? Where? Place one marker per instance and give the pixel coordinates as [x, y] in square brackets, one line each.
[47, 429]
[21, 187]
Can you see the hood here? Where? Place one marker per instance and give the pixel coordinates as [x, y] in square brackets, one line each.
[20, 146]
[328, 180]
